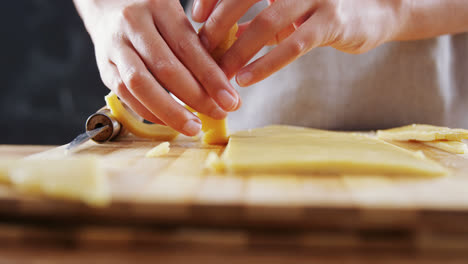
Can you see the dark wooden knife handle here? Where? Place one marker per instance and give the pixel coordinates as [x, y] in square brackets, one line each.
[103, 117]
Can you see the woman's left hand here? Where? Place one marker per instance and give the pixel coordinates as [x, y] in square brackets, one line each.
[297, 26]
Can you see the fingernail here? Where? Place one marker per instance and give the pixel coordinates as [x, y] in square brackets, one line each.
[192, 127]
[239, 104]
[226, 99]
[205, 42]
[244, 78]
[218, 113]
[196, 14]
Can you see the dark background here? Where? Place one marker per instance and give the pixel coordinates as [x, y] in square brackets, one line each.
[50, 81]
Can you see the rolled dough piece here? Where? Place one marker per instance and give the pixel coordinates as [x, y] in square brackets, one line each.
[455, 147]
[215, 131]
[279, 149]
[419, 132]
[80, 178]
[159, 150]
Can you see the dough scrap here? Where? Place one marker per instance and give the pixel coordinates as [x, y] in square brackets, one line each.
[80, 178]
[135, 126]
[455, 147]
[159, 150]
[279, 149]
[420, 132]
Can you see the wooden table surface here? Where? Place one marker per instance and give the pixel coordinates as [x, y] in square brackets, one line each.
[197, 246]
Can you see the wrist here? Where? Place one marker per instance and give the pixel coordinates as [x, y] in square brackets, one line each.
[399, 18]
[431, 18]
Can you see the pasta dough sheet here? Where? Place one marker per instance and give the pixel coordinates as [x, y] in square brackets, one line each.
[455, 147]
[80, 178]
[284, 149]
[419, 132]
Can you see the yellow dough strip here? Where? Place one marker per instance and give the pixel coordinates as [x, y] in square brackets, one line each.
[216, 130]
[135, 126]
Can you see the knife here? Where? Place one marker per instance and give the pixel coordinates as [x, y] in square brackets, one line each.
[100, 127]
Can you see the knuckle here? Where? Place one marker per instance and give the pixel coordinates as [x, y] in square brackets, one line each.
[135, 79]
[233, 59]
[130, 14]
[158, 4]
[119, 87]
[203, 104]
[212, 21]
[213, 25]
[174, 119]
[117, 38]
[269, 18]
[165, 69]
[298, 47]
[207, 77]
[152, 46]
[185, 46]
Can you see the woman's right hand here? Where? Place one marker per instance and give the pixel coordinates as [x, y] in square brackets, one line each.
[144, 45]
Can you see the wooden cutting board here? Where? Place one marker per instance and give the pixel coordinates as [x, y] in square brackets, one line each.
[176, 189]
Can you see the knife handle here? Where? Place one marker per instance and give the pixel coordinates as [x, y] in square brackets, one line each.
[103, 117]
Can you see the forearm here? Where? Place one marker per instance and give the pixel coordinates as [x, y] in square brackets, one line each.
[430, 18]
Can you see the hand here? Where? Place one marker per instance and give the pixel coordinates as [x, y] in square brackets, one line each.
[145, 45]
[298, 26]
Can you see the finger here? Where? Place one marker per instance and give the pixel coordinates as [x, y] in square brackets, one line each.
[262, 29]
[184, 42]
[298, 22]
[146, 90]
[283, 34]
[301, 20]
[111, 78]
[201, 9]
[168, 70]
[225, 15]
[303, 40]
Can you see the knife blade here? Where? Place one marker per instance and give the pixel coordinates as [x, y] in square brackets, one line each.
[82, 138]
